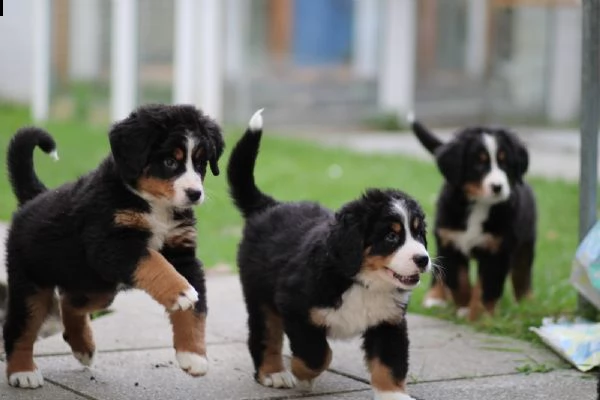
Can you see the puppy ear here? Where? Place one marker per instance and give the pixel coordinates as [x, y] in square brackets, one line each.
[130, 143]
[517, 156]
[449, 158]
[215, 136]
[346, 243]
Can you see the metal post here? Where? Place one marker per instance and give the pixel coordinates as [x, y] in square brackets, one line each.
[41, 60]
[183, 79]
[590, 106]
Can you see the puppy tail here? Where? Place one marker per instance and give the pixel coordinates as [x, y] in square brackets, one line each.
[240, 171]
[23, 179]
[425, 136]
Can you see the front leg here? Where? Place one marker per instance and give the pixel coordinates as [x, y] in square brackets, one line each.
[386, 353]
[189, 325]
[492, 273]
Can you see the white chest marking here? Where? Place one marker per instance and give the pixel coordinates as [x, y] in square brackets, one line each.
[161, 224]
[473, 236]
[362, 308]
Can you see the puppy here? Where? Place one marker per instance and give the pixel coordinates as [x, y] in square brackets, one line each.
[312, 274]
[127, 224]
[485, 211]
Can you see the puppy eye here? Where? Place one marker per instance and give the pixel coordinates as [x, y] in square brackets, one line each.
[391, 237]
[170, 163]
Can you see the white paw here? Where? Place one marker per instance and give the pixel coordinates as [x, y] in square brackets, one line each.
[186, 300]
[28, 379]
[462, 312]
[306, 386]
[86, 359]
[391, 395]
[432, 302]
[192, 363]
[282, 379]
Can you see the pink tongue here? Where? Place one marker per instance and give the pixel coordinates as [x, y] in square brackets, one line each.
[390, 273]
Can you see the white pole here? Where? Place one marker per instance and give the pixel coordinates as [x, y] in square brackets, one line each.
[41, 60]
[365, 38]
[398, 58]
[183, 80]
[85, 39]
[123, 58]
[476, 38]
[209, 92]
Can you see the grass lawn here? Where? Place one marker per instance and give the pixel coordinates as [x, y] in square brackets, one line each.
[291, 170]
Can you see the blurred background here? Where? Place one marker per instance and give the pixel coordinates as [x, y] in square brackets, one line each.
[330, 63]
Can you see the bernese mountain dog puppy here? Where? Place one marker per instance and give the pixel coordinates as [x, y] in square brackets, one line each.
[485, 211]
[127, 224]
[312, 273]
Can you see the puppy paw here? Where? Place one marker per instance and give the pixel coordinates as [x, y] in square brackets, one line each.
[86, 359]
[192, 363]
[26, 379]
[462, 312]
[306, 386]
[379, 395]
[432, 302]
[185, 300]
[283, 379]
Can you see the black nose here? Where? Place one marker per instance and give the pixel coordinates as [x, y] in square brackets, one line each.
[422, 260]
[496, 188]
[193, 195]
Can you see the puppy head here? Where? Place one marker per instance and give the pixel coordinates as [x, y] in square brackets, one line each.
[380, 240]
[162, 151]
[485, 162]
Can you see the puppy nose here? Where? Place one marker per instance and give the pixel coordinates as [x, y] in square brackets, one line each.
[193, 194]
[421, 260]
[496, 188]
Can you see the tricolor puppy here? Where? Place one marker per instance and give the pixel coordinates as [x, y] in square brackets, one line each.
[127, 224]
[485, 211]
[312, 273]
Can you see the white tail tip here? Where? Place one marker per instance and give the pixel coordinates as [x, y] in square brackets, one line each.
[54, 155]
[410, 117]
[256, 122]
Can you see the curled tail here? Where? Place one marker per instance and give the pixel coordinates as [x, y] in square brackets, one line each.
[240, 171]
[425, 136]
[23, 179]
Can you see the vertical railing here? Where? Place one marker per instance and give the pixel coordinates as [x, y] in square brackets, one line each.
[590, 119]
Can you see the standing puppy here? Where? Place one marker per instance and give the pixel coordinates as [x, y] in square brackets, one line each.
[311, 273]
[484, 211]
[127, 224]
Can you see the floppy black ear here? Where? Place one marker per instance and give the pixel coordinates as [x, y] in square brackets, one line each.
[346, 243]
[449, 159]
[517, 155]
[130, 143]
[218, 145]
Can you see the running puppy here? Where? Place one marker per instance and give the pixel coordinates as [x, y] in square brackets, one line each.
[312, 273]
[485, 211]
[128, 223]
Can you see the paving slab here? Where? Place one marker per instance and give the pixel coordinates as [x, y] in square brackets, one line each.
[153, 374]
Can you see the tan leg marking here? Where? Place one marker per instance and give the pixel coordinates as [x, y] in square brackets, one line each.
[182, 237]
[132, 219]
[21, 359]
[438, 291]
[189, 328]
[477, 306]
[304, 373]
[159, 279]
[462, 294]
[272, 360]
[382, 378]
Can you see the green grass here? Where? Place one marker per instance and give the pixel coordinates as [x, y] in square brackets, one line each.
[291, 170]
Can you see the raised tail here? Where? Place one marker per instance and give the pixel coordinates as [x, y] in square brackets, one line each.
[23, 179]
[425, 136]
[240, 171]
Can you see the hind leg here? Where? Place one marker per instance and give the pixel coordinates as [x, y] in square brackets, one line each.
[521, 270]
[28, 307]
[75, 311]
[265, 343]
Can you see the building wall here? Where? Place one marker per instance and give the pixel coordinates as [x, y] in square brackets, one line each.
[15, 47]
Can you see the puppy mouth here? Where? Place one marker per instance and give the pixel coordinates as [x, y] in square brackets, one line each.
[406, 280]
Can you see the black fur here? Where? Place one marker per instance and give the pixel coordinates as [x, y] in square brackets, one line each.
[295, 257]
[67, 237]
[513, 220]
